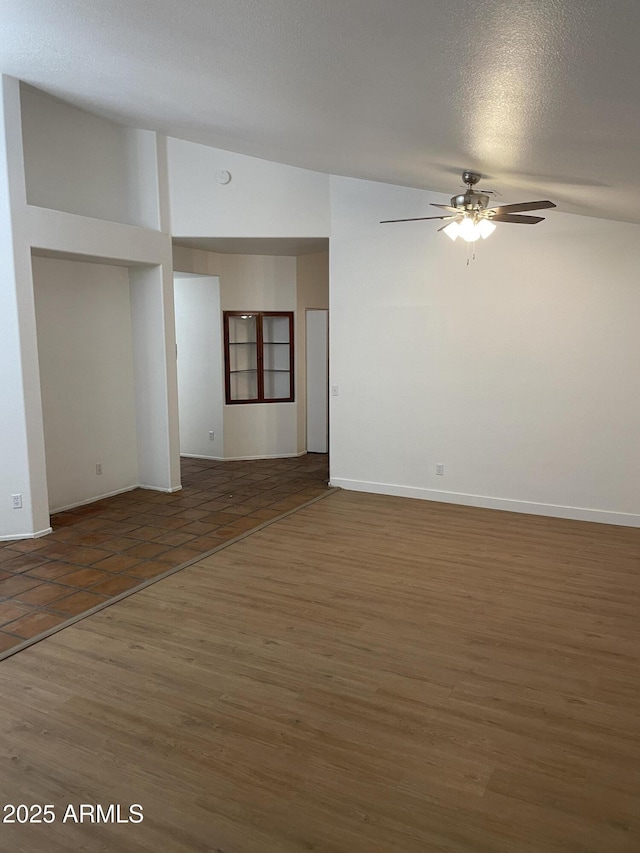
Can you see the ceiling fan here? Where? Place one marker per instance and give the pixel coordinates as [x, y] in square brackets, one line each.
[471, 218]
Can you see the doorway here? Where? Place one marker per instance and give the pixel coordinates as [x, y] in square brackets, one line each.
[199, 360]
[317, 359]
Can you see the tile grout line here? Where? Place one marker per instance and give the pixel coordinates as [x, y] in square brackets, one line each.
[149, 581]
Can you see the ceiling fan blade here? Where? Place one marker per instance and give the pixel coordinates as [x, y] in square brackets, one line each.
[513, 217]
[415, 219]
[524, 205]
[446, 207]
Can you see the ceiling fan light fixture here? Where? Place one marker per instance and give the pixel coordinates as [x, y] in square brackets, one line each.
[486, 227]
[468, 230]
[452, 230]
[470, 216]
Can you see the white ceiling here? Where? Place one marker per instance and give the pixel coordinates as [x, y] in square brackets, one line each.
[541, 96]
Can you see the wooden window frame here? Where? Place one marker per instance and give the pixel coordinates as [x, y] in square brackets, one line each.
[259, 315]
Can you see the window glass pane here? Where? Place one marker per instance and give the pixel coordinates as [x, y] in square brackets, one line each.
[243, 356]
[242, 329]
[244, 385]
[276, 356]
[276, 385]
[275, 329]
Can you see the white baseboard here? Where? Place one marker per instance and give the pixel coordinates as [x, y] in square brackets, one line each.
[35, 535]
[243, 458]
[53, 510]
[507, 504]
[200, 456]
[92, 500]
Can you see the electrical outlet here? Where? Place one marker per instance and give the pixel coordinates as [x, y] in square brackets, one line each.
[16, 501]
[98, 467]
[439, 469]
[211, 435]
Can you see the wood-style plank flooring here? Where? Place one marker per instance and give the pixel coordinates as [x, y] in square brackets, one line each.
[367, 675]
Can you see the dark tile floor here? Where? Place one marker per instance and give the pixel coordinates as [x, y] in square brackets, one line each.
[103, 549]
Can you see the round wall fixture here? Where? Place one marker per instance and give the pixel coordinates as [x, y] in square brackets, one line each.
[222, 176]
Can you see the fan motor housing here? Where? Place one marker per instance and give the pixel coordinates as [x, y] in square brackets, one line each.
[470, 200]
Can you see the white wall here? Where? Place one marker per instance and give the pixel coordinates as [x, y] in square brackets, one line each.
[155, 377]
[81, 171]
[259, 283]
[80, 163]
[86, 369]
[251, 283]
[519, 372]
[22, 466]
[263, 199]
[200, 364]
[195, 261]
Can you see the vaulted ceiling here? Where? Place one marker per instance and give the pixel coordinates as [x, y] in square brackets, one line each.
[540, 96]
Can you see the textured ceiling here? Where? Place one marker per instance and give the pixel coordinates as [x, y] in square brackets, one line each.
[541, 96]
